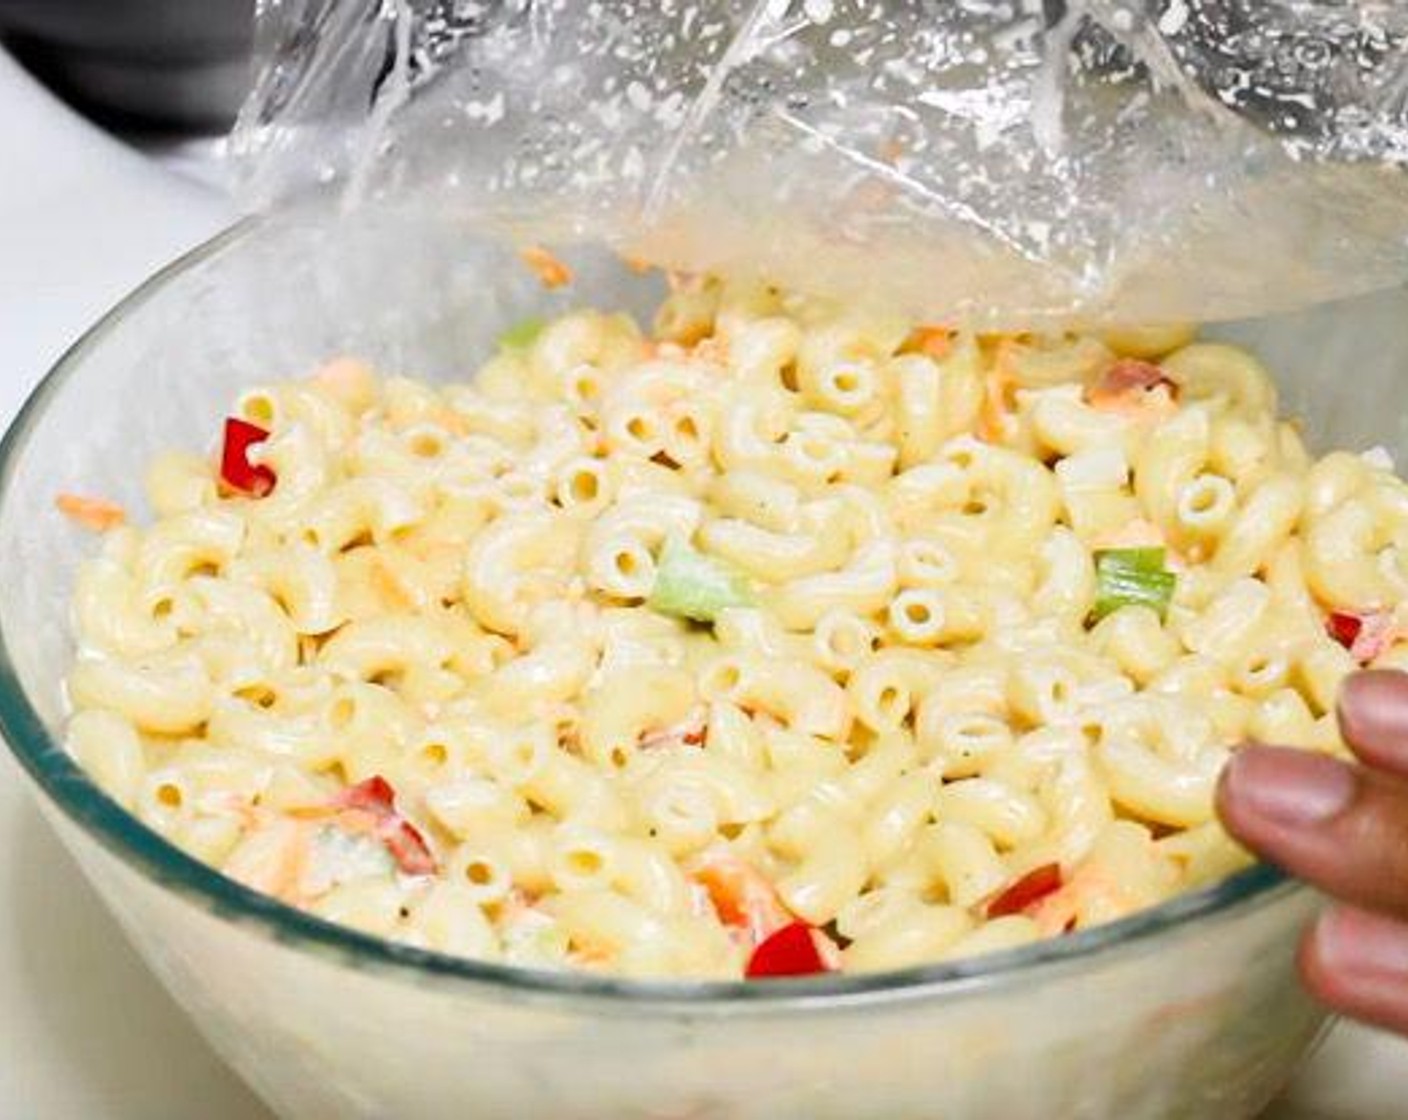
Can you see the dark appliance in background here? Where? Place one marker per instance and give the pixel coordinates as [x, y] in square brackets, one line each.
[180, 66]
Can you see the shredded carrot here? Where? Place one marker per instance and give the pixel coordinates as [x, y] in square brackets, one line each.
[551, 271]
[997, 406]
[585, 951]
[638, 264]
[96, 514]
[294, 867]
[274, 858]
[741, 896]
[689, 732]
[315, 812]
[936, 342]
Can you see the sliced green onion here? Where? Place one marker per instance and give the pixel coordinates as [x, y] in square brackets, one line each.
[1132, 577]
[522, 335]
[689, 584]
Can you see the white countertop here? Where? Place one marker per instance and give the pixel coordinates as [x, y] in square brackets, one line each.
[85, 1032]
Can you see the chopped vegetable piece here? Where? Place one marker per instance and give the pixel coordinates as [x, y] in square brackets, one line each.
[741, 896]
[236, 471]
[1130, 374]
[1132, 577]
[522, 335]
[1133, 388]
[374, 795]
[936, 342]
[1366, 636]
[1344, 628]
[96, 514]
[402, 839]
[791, 951]
[998, 403]
[550, 271]
[689, 584]
[408, 848]
[1134, 559]
[1127, 386]
[1027, 891]
[689, 733]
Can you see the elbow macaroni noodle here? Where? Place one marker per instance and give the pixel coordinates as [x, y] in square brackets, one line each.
[450, 590]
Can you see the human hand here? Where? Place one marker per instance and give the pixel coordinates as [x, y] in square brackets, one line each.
[1343, 828]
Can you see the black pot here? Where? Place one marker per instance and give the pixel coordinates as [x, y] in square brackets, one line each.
[167, 63]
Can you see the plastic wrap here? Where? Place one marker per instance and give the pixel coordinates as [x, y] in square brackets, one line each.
[1004, 162]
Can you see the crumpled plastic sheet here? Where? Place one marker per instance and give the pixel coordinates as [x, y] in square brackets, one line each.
[1000, 162]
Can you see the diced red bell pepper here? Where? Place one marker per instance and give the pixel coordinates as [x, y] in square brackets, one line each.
[1027, 891]
[408, 847]
[374, 795]
[791, 951]
[236, 471]
[1344, 628]
[1366, 636]
[402, 839]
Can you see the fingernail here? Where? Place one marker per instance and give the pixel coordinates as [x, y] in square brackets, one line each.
[1355, 941]
[1373, 709]
[1289, 787]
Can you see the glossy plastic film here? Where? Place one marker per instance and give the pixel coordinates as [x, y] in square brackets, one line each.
[1013, 162]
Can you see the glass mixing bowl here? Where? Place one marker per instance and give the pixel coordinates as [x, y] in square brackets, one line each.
[1188, 1010]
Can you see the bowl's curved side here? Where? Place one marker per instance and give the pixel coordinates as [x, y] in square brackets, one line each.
[1204, 1022]
[197, 329]
[325, 1020]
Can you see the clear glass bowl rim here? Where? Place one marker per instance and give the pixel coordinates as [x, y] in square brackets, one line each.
[142, 849]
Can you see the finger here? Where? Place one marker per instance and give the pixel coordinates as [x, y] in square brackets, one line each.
[1373, 713]
[1357, 963]
[1341, 827]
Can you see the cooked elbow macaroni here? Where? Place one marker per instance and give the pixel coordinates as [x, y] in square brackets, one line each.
[444, 685]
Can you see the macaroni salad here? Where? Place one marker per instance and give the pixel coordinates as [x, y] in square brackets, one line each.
[782, 640]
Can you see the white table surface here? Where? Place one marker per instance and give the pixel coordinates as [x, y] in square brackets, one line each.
[85, 1032]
